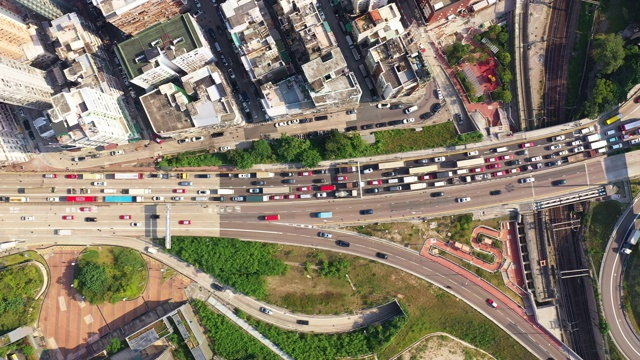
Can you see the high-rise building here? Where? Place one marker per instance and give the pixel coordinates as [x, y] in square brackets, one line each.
[13, 148]
[134, 16]
[73, 37]
[87, 117]
[45, 8]
[23, 85]
[378, 25]
[167, 50]
[361, 6]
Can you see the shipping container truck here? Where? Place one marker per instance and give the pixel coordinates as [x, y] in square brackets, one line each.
[470, 162]
[391, 165]
[348, 169]
[630, 125]
[123, 199]
[92, 176]
[594, 137]
[423, 169]
[257, 198]
[138, 191]
[351, 185]
[418, 186]
[276, 190]
[18, 199]
[327, 187]
[409, 179]
[598, 144]
[444, 174]
[344, 193]
[45, 190]
[63, 232]
[81, 199]
[324, 214]
[264, 175]
[225, 191]
[127, 176]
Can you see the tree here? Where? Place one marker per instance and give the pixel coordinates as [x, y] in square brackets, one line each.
[92, 281]
[504, 57]
[500, 94]
[311, 158]
[608, 52]
[289, 149]
[114, 346]
[503, 37]
[456, 52]
[261, 151]
[604, 92]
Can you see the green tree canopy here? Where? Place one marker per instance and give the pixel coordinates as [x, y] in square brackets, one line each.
[456, 52]
[504, 57]
[608, 51]
[604, 92]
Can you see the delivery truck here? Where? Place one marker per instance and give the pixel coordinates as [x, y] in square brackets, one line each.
[40, 190]
[123, 199]
[409, 179]
[138, 191]
[264, 175]
[324, 214]
[346, 193]
[418, 186]
[63, 232]
[92, 176]
[594, 137]
[444, 174]
[598, 144]
[127, 176]
[225, 191]
[257, 198]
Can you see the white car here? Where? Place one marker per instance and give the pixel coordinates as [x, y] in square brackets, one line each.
[473, 153]
[439, 93]
[439, 159]
[634, 141]
[157, 198]
[197, 3]
[136, 224]
[325, 235]
[367, 171]
[576, 143]
[197, 138]
[281, 123]
[563, 152]
[558, 138]
[224, 148]
[231, 74]
[244, 176]
[555, 147]
[321, 195]
[204, 192]
[535, 158]
[527, 180]
[463, 199]
[99, 183]
[27, 218]
[177, 198]
[53, 199]
[409, 120]
[578, 149]
[383, 106]
[116, 152]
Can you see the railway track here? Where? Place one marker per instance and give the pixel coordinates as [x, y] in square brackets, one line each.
[556, 66]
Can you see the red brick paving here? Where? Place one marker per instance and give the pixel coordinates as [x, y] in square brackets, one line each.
[69, 329]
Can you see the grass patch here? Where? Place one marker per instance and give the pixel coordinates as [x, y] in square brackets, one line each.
[430, 309]
[439, 135]
[19, 258]
[18, 306]
[635, 187]
[599, 222]
[580, 55]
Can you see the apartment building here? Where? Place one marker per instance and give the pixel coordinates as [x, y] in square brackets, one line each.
[362, 6]
[13, 148]
[330, 83]
[378, 25]
[23, 85]
[48, 9]
[134, 16]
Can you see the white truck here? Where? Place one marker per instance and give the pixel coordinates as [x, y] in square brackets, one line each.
[225, 191]
[345, 193]
[63, 232]
[264, 175]
[598, 144]
[594, 137]
[138, 191]
[409, 179]
[418, 186]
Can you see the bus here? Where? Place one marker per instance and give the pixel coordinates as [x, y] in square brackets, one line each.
[469, 162]
[613, 119]
[127, 176]
[276, 190]
[423, 169]
[391, 165]
[630, 126]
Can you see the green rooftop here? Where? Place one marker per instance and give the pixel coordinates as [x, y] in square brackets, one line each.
[160, 35]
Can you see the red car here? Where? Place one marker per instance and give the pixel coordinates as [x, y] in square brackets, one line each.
[184, 222]
[304, 188]
[426, 177]
[85, 209]
[638, 100]
[341, 178]
[67, 217]
[292, 196]
[493, 166]
[71, 176]
[526, 145]
[305, 173]
[179, 191]
[506, 157]
[492, 303]
[514, 170]
[490, 160]
[125, 217]
[375, 182]
[277, 197]
[499, 173]
[271, 217]
[477, 170]
[157, 139]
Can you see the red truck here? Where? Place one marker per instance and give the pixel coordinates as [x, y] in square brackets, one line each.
[327, 187]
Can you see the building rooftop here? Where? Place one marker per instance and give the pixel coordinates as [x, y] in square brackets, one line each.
[178, 33]
[241, 12]
[166, 107]
[119, 6]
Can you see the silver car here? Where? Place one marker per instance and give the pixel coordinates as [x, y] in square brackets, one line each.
[325, 235]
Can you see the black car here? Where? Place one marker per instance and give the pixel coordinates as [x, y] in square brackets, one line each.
[79, 158]
[286, 174]
[437, 194]
[217, 287]
[203, 176]
[302, 322]
[91, 219]
[366, 127]
[217, 135]
[289, 181]
[155, 216]
[549, 156]
[459, 119]
[320, 172]
[211, 33]
[422, 161]
[382, 255]
[381, 124]
[96, 156]
[31, 135]
[515, 163]
[4, 198]
[426, 115]
[396, 106]
[366, 212]
[559, 182]
[395, 122]
[343, 243]
[373, 191]
[319, 181]
[436, 107]
[26, 125]
[350, 128]
[259, 183]
[495, 192]
[219, 28]
[389, 174]
[306, 120]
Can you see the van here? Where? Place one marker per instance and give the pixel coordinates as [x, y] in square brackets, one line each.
[349, 41]
[395, 188]
[393, 181]
[108, 191]
[462, 171]
[501, 149]
[355, 54]
[363, 70]
[610, 132]
[201, 198]
[440, 183]
[151, 250]
[218, 47]
[616, 146]
[410, 109]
